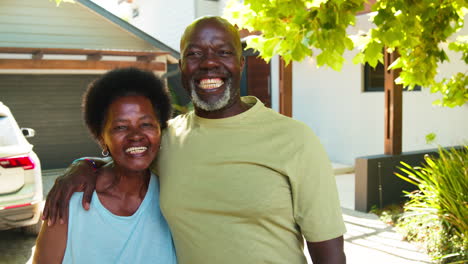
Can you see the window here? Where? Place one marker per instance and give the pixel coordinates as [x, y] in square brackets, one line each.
[374, 79]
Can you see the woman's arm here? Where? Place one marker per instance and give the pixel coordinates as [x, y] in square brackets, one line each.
[51, 244]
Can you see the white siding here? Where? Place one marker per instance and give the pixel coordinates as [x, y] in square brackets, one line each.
[222, 6]
[165, 19]
[162, 19]
[207, 8]
[274, 66]
[350, 123]
[39, 23]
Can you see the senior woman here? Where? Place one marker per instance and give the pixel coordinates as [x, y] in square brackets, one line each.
[125, 111]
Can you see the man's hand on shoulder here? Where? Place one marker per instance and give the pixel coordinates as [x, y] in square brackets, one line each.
[79, 176]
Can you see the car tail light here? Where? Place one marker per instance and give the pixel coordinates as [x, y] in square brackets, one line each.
[15, 206]
[25, 161]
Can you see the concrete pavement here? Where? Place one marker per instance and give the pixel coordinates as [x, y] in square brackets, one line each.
[368, 240]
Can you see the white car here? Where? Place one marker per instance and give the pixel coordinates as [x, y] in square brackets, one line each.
[20, 177]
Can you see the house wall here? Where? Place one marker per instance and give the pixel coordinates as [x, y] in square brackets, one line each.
[165, 20]
[25, 23]
[274, 64]
[207, 8]
[162, 19]
[350, 123]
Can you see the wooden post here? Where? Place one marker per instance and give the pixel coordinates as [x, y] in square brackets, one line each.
[285, 88]
[393, 107]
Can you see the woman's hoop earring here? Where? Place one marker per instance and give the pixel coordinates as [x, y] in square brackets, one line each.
[105, 152]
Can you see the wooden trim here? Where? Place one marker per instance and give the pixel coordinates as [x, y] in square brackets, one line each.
[16, 50]
[143, 59]
[393, 107]
[285, 88]
[245, 33]
[367, 7]
[94, 57]
[258, 79]
[37, 55]
[147, 58]
[78, 64]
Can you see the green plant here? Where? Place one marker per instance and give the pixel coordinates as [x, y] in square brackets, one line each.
[390, 214]
[436, 215]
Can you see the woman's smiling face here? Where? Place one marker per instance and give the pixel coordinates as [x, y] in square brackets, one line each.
[131, 133]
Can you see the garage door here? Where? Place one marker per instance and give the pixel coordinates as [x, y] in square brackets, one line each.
[50, 104]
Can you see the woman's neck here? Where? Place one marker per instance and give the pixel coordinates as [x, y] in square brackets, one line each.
[120, 181]
[131, 182]
[122, 192]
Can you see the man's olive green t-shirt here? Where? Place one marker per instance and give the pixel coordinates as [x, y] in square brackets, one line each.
[245, 189]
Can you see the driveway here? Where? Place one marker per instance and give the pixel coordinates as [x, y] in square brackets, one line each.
[16, 247]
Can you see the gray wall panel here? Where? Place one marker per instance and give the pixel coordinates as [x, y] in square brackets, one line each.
[50, 104]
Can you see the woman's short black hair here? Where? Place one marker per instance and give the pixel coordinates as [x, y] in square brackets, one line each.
[123, 82]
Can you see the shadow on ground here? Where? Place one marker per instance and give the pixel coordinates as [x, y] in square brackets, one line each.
[15, 246]
[369, 240]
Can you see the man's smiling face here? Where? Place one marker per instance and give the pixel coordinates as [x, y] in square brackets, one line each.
[211, 64]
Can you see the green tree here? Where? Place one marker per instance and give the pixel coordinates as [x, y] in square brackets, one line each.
[418, 29]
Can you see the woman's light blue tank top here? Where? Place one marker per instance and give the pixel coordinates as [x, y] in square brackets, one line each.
[98, 236]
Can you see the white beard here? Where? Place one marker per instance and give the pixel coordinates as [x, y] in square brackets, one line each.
[220, 103]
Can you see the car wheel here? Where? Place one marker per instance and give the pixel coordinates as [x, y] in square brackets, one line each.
[33, 229]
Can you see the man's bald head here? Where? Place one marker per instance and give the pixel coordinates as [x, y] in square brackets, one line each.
[209, 20]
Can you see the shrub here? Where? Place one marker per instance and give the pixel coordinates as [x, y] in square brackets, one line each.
[436, 215]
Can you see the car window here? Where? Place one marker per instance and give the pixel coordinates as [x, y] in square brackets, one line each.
[8, 133]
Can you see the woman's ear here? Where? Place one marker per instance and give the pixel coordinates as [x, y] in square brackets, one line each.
[105, 150]
[101, 142]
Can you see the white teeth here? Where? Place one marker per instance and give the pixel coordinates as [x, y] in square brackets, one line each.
[136, 150]
[210, 83]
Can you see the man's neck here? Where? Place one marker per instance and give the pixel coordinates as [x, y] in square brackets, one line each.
[233, 109]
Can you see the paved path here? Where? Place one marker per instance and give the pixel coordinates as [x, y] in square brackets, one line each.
[369, 240]
[16, 247]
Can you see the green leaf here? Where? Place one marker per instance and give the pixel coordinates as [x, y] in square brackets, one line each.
[373, 53]
[269, 46]
[321, 59]
[349, 44]
[430, 138]
[315, 3]
[359, 58]
[406, 179]
[300, 51]
[396, 64]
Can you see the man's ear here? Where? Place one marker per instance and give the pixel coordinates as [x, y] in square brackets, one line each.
[182, 79]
